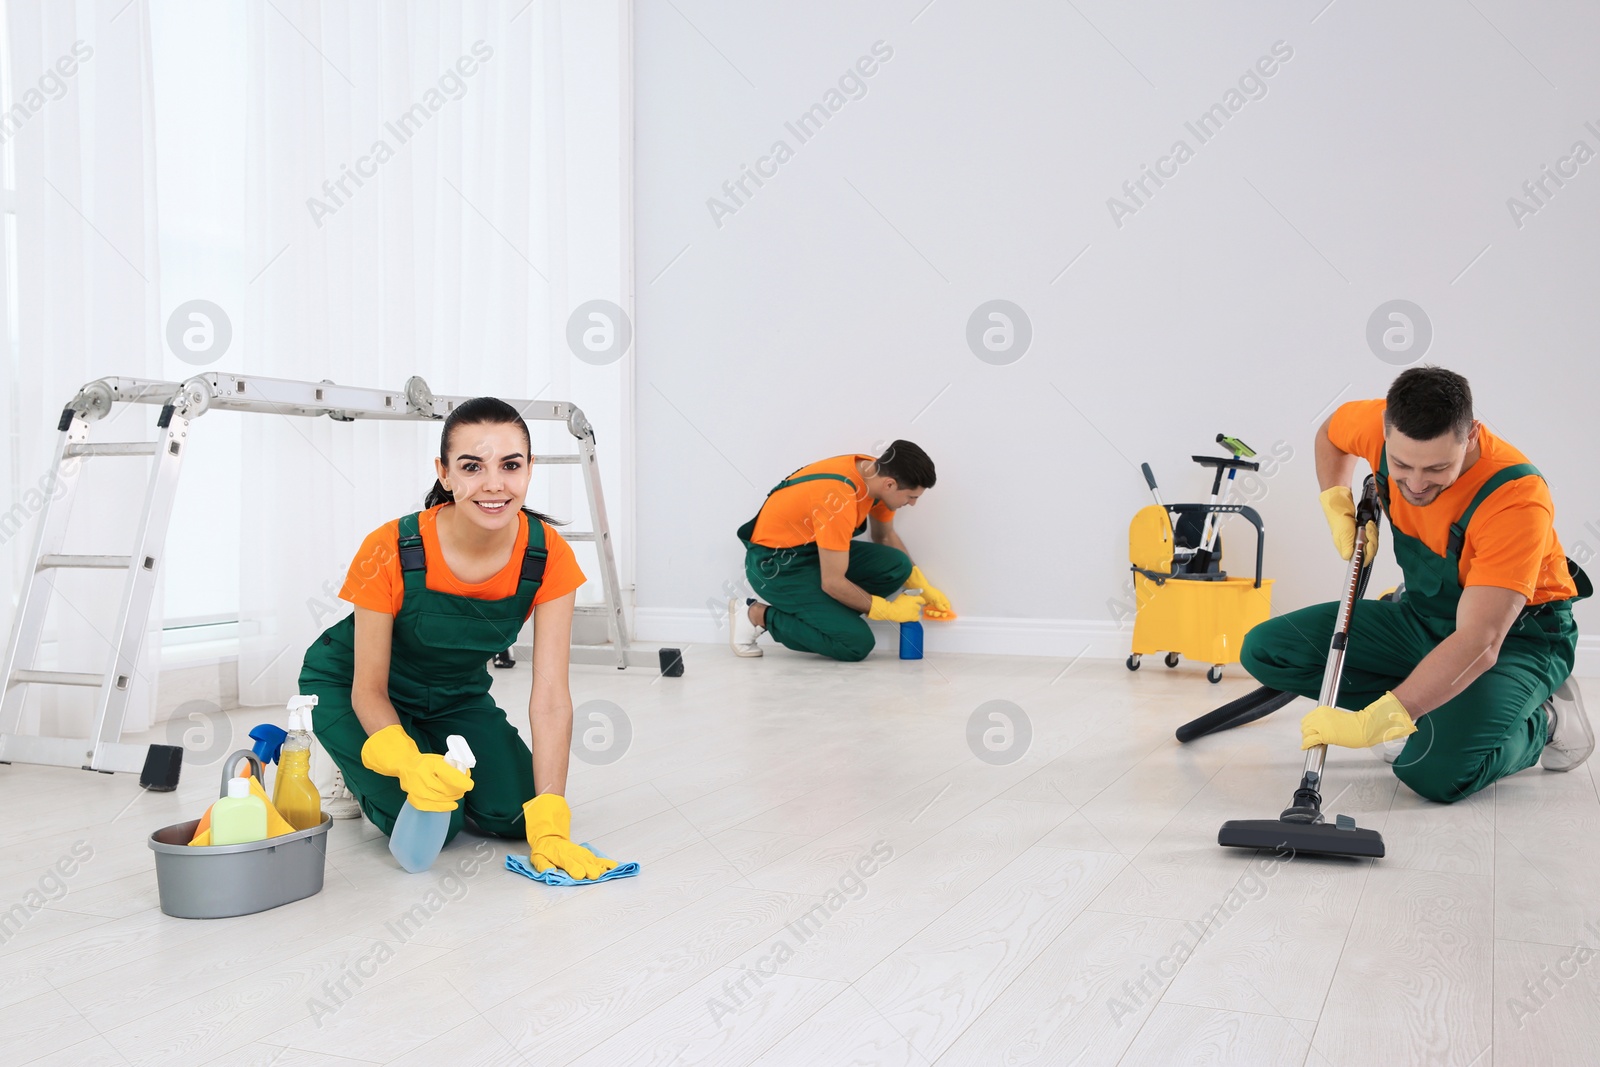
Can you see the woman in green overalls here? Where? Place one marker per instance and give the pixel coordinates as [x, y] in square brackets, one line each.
[436, 594]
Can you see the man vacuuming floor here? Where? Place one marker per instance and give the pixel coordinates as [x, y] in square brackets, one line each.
[1470, 667]
[816, 580]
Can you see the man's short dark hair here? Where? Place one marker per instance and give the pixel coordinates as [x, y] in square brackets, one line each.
[908, 465]
[1427, 401]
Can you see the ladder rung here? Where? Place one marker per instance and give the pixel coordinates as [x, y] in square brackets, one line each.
[565, 457]
[59, 677]
[586, 536]
[114, 448]
[120, 563]
[592, 609]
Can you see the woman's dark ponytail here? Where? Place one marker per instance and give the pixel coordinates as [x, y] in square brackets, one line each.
[478, 411]
[438, 495]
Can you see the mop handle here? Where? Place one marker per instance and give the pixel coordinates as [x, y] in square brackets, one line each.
[1212, 527]
[1240, 450]
[1366, 511]
[1150, 480]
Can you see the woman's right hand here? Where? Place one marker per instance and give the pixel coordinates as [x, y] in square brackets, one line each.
[548, 821]
[430, 783]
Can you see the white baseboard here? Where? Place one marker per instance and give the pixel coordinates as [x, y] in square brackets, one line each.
[1058, 638]
[1062, 638]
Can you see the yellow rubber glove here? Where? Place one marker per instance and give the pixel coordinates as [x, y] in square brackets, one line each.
[1385, 719]
[938, 605]
[903, 608]
[550, 840]
[1339, 505]
[430, 783]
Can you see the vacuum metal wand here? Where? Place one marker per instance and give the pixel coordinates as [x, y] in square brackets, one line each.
[1307, 806]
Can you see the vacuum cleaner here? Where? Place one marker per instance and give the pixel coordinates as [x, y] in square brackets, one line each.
[1301, 828]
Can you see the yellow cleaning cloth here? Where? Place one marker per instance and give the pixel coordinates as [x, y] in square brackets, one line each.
[276, 824]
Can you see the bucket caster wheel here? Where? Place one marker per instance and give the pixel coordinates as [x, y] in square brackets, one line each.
[1214, 675]
[1171, 660]
[1133, 662]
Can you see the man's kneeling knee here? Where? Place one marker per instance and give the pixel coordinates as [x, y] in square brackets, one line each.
[1430, 783]
[852, 651]
[1250, 653]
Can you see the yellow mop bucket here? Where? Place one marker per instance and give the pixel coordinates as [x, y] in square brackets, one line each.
[1202, 616]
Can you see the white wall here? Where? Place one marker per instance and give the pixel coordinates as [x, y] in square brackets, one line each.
[828, 312]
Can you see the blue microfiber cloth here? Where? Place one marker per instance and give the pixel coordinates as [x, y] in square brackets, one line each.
[556, 876]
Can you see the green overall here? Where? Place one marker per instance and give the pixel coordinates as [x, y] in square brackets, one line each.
[1494, 727]
[799, 614]
[439, 685]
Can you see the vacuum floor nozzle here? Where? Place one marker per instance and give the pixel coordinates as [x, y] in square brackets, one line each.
[1299, 829]
[1308, 839]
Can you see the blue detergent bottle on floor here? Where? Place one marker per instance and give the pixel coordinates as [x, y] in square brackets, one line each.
[911, 633]
[419, 835]
[911, 640]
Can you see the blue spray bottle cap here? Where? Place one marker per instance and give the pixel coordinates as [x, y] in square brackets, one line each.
[268, 742]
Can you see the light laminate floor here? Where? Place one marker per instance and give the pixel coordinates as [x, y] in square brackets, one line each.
[831, 876]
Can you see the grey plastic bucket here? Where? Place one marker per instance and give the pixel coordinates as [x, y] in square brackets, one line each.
[216, 881]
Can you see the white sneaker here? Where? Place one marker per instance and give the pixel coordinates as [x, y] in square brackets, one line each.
[338, 801]
[1388, 751]
[1571, 736]
[742, 633]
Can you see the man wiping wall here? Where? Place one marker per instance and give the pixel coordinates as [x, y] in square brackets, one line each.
[817, 581]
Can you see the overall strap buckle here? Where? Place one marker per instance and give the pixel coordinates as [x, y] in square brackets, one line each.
[412, 555]
[533, 562]
[1458, 529]
[534, 556]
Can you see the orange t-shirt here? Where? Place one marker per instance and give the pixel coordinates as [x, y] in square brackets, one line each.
[824, 510]
[375, 581]
[1511, 542]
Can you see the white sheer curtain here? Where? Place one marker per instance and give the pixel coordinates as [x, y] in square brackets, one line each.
[78, 139]
[498, 202]
[407, 214]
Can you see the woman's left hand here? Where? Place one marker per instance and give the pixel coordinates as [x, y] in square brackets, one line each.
[549, 826]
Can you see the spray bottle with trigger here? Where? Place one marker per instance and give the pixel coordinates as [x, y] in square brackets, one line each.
[419, 835]
[294, 794]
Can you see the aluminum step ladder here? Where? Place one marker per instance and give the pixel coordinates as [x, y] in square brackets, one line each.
[181, 403]
[102, 750]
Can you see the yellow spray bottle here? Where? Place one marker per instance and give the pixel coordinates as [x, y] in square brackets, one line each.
[294, 794]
